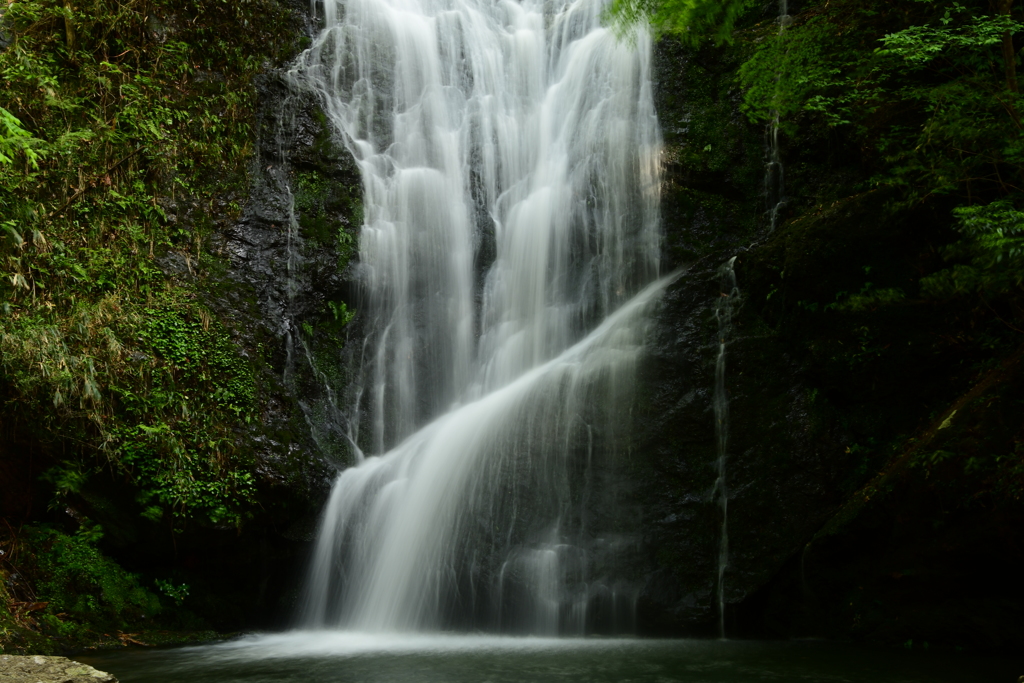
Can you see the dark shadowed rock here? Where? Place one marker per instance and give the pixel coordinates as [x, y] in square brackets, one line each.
[782, 472]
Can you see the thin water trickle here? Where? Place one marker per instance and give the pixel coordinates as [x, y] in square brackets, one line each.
[774, 171]
[296, 344]
[510, 162]
[728, 296]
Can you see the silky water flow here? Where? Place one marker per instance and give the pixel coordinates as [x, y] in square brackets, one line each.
[509, 153]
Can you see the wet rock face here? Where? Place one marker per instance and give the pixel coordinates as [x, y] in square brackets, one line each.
[821, 396]
[289, 275]
[290, 280]
[39, 669]
[287, 288]
[712, 172]
[782, 474]
[783, 465]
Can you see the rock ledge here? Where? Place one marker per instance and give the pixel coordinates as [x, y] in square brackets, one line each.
[39, 669]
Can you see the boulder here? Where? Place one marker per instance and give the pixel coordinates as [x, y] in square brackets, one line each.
[40, 669]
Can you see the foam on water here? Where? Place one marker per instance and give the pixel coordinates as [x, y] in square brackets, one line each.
[321, 643]
[350, 657]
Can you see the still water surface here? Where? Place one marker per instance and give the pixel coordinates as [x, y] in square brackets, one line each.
[336, 657]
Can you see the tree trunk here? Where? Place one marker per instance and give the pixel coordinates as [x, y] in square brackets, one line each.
[1009, 54]
[69, 28]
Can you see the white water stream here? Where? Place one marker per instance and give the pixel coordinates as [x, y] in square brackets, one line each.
[509, 156]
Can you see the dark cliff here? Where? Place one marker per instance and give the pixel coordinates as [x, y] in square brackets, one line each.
[865, 441]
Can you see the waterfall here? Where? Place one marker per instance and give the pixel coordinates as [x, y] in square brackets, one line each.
[510, 162]
[728, 295]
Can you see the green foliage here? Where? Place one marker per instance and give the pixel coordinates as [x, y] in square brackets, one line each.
[340, 311]
[176, 592]
[319, 201]
[15, 140]
[801, 69]
[121, 124]
[311, 190]
[200, 353]
[868, 298]
[962, 37]
[164, 412]
[82, 582]
[60, 591]
[177, 470]
[928, 92]
[990, 254]
[979, 451]
[176, 442]
[692, 21]
[66, 478]
[841, 62]
[928, 100]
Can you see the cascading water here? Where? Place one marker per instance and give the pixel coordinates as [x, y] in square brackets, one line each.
[509, 155]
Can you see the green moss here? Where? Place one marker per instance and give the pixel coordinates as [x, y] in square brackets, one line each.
[712, 155]
[133, 128]
[201, 354]
[60, 592]
[85, 584]
[325, 145]
[329, 212]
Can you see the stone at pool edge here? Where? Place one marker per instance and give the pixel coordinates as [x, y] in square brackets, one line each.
[40, 669]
